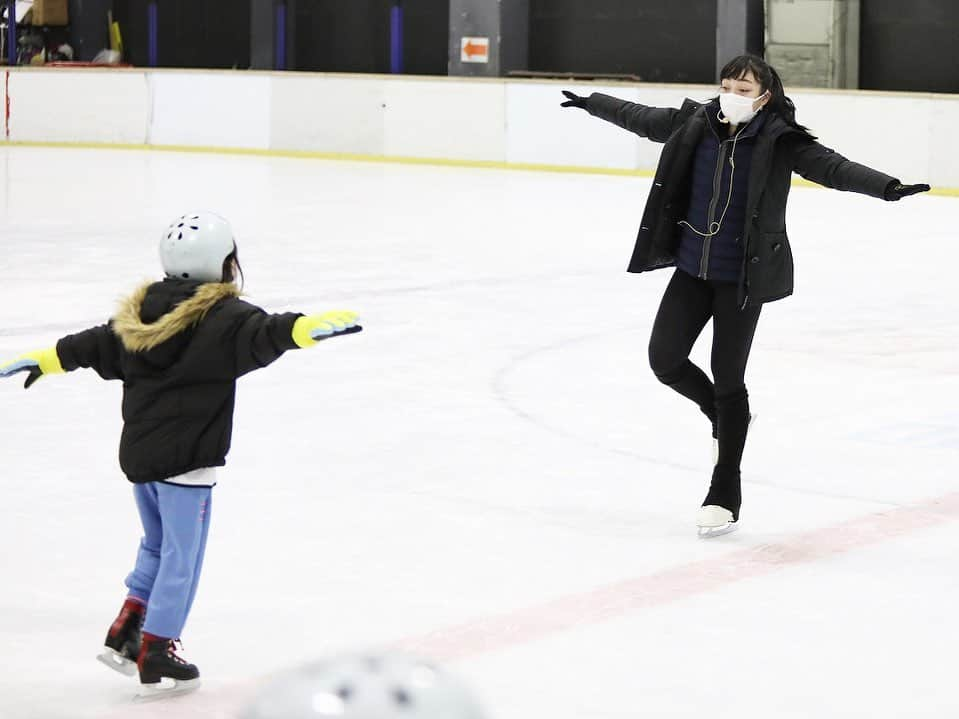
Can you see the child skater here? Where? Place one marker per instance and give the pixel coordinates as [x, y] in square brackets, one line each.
[179, 346]
[717, 212]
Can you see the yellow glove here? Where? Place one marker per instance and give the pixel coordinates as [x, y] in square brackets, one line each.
[36, 363]
[309, 330]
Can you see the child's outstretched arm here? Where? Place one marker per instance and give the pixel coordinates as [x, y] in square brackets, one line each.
[309, 330]
[262, 338]
[95, 348]
[35, 364]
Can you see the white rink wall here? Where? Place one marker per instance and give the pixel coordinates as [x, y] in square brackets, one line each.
[512, 122]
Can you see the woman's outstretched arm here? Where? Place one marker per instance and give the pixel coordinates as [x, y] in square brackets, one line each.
[827, 167]
[655, 123]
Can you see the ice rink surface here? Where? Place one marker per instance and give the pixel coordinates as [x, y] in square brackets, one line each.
[490, 474]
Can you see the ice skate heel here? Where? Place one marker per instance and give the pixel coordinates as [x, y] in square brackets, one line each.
[118, 662]
[122, 645]
[163, 673]
[714, 521]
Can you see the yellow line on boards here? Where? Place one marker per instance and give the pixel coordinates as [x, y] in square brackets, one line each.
[351, 157]
[340, 157]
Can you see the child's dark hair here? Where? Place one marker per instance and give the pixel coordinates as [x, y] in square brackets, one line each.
[233, 260]
[769, 80]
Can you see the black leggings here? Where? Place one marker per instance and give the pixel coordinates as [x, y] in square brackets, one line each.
[687, 305]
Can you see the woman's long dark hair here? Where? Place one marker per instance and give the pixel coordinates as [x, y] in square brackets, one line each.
[769, 80]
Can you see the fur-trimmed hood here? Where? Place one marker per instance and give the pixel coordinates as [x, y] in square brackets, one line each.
[159, 311]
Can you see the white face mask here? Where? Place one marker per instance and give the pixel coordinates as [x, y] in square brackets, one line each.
[737, 109]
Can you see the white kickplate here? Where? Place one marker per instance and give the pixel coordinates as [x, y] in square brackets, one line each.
[165, 689]
[117, 662]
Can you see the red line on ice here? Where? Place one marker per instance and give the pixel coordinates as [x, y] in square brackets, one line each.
[508, 629]
[670, 585]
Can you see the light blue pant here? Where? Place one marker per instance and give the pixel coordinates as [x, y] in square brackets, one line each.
[175, 523]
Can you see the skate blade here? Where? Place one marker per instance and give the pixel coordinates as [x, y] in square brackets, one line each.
[165, 689]
[117, 662]
[710, 532]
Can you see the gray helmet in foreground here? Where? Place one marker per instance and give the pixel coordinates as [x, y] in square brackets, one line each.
[360, 686]
[195, 245]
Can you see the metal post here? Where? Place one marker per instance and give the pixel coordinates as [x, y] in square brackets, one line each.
[740, 26]
[11, 32]
[396, 37]
[279, 47]
[488, 39]
[152, 32]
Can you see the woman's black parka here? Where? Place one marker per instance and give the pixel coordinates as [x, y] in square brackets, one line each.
[781, 149]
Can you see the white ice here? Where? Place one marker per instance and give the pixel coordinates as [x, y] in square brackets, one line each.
[490, 473]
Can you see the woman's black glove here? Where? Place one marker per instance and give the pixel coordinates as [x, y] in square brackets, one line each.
[574, 100]
[895, 190]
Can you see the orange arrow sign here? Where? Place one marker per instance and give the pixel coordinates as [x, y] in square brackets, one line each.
[471, 48]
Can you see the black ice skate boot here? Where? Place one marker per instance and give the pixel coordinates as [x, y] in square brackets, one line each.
[158, 661]
[122, 645]
[720, 510]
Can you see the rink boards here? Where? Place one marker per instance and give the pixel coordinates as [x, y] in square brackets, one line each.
[437, 119]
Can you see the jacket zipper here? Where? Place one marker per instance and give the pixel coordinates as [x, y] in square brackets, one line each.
[717, 188]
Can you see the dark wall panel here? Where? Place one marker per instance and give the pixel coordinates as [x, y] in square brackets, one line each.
[191, 33]
[659, 40]
[330, 35]
[354, 36]
[909, 45]
[132, 16]
[88, 27]
[343, 36]
[426, 33]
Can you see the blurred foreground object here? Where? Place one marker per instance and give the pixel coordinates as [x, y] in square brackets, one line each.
[365, 686]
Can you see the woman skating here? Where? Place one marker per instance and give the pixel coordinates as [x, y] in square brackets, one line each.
[717, 213]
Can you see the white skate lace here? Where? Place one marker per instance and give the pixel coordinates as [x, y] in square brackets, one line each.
[172, 649]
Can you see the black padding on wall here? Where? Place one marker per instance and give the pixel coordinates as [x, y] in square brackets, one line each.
[132, 16]
[89, 27]
[909, 45]
[342, 35]
[354, 36]
[659, 40]
[426, 37]
[191, 33]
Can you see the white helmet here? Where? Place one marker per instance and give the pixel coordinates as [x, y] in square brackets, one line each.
[194, 246]
[361, 686]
